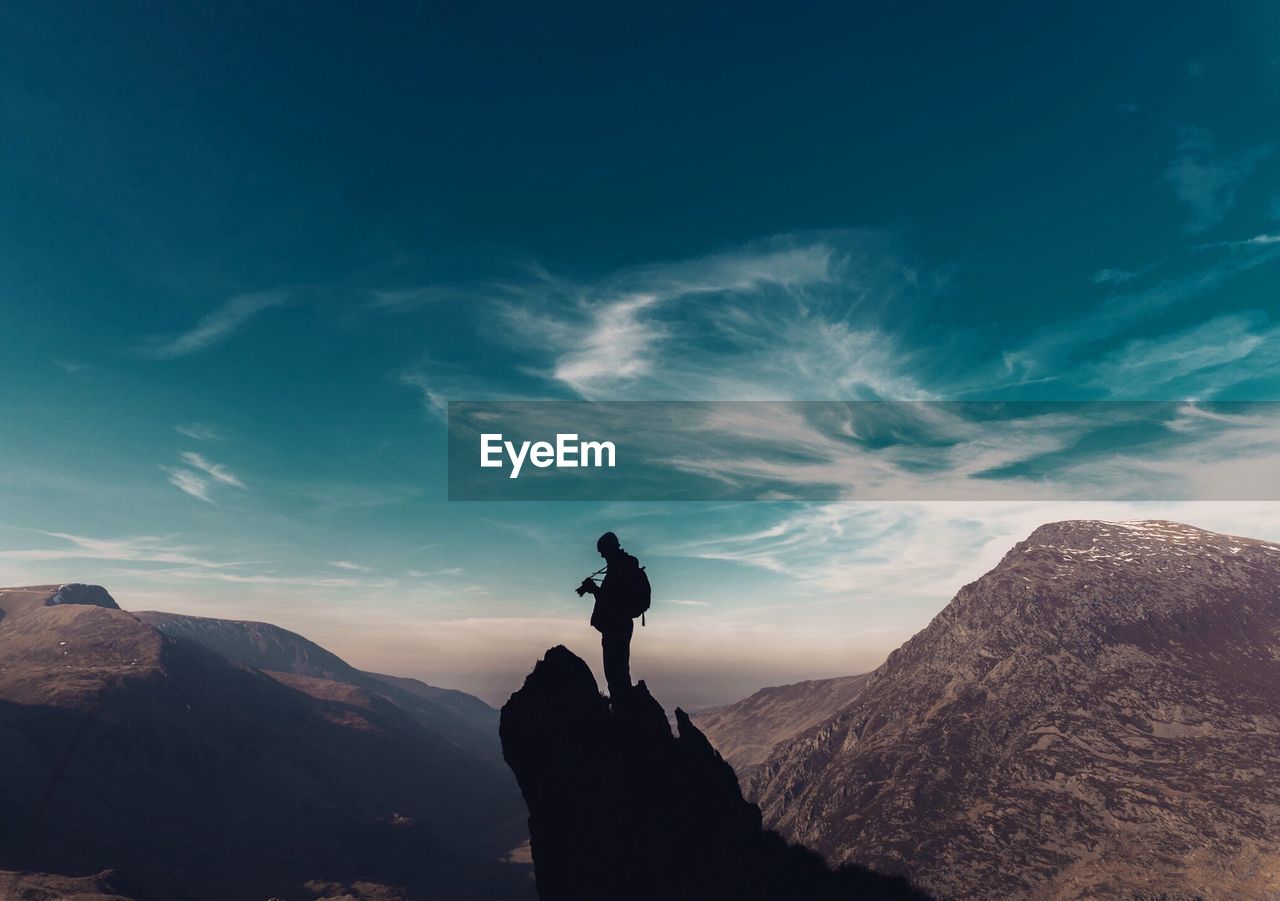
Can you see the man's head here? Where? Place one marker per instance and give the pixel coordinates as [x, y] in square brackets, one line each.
[608, 545]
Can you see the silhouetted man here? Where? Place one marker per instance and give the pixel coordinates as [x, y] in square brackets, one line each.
[612, 614]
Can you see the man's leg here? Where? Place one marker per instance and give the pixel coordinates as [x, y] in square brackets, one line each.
[616, 644]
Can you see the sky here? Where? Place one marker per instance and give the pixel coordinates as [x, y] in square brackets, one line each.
[249, 253]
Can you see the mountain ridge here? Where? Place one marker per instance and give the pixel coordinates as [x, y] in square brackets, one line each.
[1097, 714]
[226, 780]
[466, 719]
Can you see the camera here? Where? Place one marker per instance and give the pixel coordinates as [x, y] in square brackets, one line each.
[589, 583]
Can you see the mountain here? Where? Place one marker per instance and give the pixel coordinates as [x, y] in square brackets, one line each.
[46, 887]
[463, 719]
[191, 775]
[746, 731]
[619, 808]
[1098, 716]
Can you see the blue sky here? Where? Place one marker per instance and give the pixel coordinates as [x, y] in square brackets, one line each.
[247, 255]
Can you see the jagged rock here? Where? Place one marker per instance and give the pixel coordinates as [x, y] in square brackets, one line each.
[620, 808]
[79, 593]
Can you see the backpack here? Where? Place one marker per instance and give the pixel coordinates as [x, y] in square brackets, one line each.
[629, 595]
[639, 595]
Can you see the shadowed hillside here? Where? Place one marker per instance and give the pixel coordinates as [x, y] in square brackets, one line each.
[458, 717]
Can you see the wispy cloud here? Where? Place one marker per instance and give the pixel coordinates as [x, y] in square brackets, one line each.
[349, 566]
[261, 578]
[1117, 276]
[791, 316]
[788, 316]
[434, 401]
[217, 471]
[427, 573]
[162, 559]
[331, 497]
[214, 327]
[1061, 352]
[1201, 361]
[71, 367]
[202, 475]
[610, 335]
[614, 345]
[138, 549]
[198, 431]
[1261, 240]
[403, 300]
[191, 483]
[890, 452]
[437, 383]
[1207, 183]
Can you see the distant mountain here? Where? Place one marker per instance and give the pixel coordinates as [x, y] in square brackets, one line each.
[463, 719]
[1098, 716]
[192, 775]
[746, 731]
[621, 809]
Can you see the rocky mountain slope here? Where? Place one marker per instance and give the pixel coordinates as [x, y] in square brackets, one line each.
[746, 731]
[190, 775]
[1098, 716]
[46, 887]
[619, 808]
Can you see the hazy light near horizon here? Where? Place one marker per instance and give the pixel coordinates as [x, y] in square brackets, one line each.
[866, 577]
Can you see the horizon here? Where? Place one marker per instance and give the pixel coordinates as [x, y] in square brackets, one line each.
[249, 258]
[496, 692]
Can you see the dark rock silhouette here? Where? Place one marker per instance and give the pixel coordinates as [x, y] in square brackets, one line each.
[620, 808]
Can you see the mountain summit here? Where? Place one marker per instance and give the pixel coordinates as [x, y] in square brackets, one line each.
[14, 599]
[620, 808]
[1099, 715]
